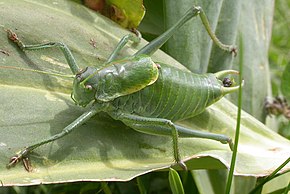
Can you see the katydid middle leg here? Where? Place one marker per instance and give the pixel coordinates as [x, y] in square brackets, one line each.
[154, 45]
[135, 38]
[66, 51]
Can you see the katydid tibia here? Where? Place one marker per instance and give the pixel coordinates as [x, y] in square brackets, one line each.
[142, 94]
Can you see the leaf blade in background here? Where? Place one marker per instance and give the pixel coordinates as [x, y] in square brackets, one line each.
[194, 37]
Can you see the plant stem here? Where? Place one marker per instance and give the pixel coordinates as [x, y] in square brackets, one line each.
[237, 134]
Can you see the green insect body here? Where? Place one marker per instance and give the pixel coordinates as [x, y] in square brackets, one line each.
[144, 95]
[161, 99]
[151, 97]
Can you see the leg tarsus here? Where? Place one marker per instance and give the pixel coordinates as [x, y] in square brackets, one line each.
[66, 51]
[230, 142]
[12, 36]
[181, 164]
[17, 158]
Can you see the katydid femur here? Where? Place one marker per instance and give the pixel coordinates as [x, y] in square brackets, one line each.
[126, 90]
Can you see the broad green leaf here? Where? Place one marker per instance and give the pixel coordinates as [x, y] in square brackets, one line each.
[231, 20]
[35, 106]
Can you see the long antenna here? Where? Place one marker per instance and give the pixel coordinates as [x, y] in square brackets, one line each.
[37, 71]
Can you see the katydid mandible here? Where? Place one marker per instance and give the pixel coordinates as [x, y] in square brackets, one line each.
[142, 94]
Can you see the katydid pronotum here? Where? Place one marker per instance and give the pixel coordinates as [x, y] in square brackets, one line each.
[127, 89]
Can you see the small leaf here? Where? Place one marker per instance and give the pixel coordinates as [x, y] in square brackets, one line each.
[127, 13]
[175, 182]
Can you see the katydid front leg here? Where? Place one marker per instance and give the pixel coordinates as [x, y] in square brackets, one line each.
[72, 126]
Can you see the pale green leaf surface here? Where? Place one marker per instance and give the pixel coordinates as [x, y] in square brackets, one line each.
[35, 106]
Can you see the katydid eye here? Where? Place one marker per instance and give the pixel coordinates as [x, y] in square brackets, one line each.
[89, 87]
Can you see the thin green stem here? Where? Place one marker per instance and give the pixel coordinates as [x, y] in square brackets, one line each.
[237, 134]
[287, 188]
[271, 176]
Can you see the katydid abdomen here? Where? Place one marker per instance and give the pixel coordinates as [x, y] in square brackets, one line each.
[176, 95]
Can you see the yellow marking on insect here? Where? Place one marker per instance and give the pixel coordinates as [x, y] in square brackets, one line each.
[53, 61]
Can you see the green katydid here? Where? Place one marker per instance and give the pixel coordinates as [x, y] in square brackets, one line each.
[142, 94]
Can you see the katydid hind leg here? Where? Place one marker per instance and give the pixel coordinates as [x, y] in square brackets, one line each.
[154, 45]
[152, 126]
[136, 38]
[164, 127]
[20, 156]
[184, 132]
[66, 51]
[188, 132]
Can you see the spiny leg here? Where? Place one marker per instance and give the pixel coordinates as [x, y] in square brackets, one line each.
[187, 132]
[184, 132]
[152, 126]
[135, 38]
[154, 45]
[66, 51]
[75, 124]
[164, 127]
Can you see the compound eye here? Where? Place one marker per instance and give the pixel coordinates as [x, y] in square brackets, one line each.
[89, 87]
